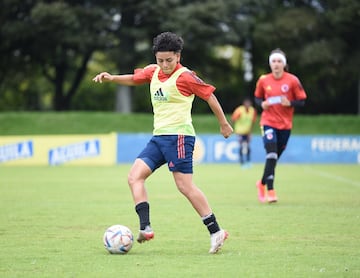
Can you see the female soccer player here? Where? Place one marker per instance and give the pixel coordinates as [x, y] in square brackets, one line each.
[277, 93]
[172, 89]
[244, 117]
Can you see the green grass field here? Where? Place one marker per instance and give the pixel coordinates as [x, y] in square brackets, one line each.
[53, 218]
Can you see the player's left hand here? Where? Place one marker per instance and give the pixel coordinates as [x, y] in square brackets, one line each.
[285, 101]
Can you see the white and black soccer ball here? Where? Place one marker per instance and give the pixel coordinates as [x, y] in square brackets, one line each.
[118, 239]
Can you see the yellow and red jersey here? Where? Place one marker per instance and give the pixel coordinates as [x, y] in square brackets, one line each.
[172, 97]
[271, 89]
[243, 118]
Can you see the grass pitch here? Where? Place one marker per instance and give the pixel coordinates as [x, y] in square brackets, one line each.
[53, 218]
[25, 123]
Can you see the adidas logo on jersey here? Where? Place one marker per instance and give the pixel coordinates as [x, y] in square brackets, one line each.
[160, 96]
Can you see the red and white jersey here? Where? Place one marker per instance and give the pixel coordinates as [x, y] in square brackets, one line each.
[271, 89]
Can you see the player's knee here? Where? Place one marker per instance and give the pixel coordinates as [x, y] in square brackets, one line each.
[271, 148]
[131, 179]
[134, 178]
[185, 188]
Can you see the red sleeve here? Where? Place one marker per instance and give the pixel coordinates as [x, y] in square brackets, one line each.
[300, 93]
[143, 76]
[236, 114]
[189, 83]
[259, 92]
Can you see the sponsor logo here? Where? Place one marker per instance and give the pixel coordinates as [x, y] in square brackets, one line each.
[75, 151]
[15, 151]
[333, 144]
[160, 96]
[226, 150]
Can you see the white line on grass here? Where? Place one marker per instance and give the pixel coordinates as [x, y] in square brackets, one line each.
[334, 177]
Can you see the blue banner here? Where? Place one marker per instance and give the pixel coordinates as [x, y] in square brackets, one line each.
[211, 148]
[74, 151]
[16, 151]
[130, 145]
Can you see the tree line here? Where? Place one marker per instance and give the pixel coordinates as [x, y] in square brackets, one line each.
[51, 49]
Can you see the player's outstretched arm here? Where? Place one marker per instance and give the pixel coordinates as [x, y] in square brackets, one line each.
[123, 79]
[225, 128]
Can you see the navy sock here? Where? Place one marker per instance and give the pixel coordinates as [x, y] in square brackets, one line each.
[143, 211]
[211, 223]
[269, 173]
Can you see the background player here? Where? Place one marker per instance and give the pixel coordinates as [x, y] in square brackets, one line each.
[277, 93]
[244, 117]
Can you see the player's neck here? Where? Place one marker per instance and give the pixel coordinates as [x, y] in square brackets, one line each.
[278, 74]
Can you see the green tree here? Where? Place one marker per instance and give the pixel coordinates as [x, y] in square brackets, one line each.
[46, 47]
[56, 38]
[320, 40]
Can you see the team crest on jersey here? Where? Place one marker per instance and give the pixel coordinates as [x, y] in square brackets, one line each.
[284, 88]
[160, 95]
[269, 134]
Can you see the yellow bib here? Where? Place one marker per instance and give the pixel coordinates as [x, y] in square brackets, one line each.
[244, 123]
[172, 110]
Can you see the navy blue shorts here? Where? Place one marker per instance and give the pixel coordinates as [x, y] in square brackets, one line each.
[175, 150]
[278, 136]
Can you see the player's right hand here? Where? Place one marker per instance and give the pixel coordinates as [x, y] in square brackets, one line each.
[103, 76]
[226, 130]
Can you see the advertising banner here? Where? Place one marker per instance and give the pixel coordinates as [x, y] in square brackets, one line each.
[129, 146]
[111, 149]
[211, 148]
[98, 149]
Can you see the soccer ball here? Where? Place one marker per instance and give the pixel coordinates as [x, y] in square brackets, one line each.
[118, 239]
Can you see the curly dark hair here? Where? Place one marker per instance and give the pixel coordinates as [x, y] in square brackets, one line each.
[167, 41]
